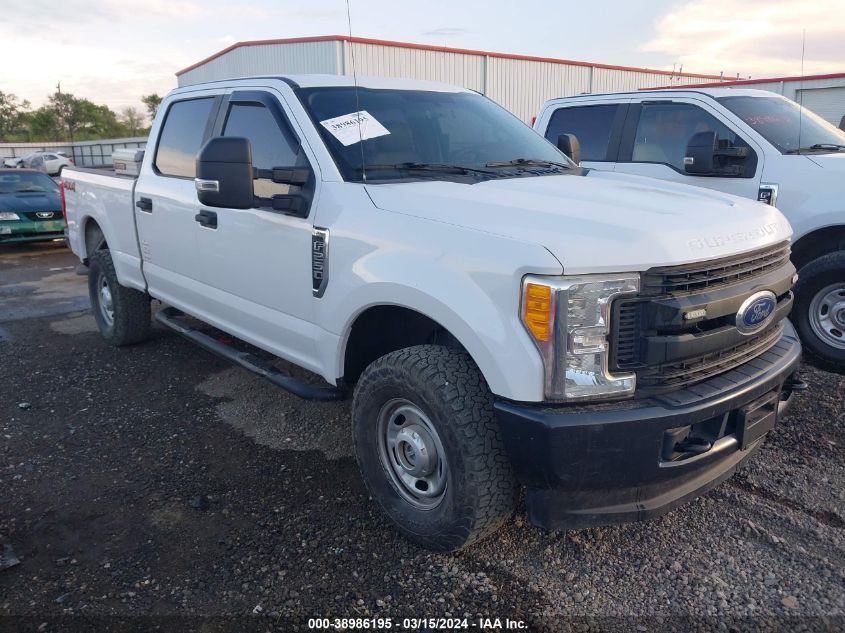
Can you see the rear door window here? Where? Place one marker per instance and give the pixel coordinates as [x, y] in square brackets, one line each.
[592, 125]
[181, 137]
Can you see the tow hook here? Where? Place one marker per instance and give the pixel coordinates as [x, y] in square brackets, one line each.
[794, 383]
[694, 445]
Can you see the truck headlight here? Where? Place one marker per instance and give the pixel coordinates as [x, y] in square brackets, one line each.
[569, 320]
[8, 215]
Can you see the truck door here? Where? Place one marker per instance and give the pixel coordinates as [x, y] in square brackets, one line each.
[255, 264]
[165, 204]
[655, 139]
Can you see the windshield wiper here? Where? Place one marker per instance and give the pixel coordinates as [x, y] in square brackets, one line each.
[440, 168]
[834, 147]
[527, 162]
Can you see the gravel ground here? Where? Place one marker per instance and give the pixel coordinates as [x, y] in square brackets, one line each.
[159, 487]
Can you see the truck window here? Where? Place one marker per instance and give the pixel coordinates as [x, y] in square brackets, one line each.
[786, 125]
[591, 124]
[181, 137]
[460, 129]
[665, 129]
[271, 145]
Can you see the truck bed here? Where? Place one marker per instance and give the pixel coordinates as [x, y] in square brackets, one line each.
[99, 199]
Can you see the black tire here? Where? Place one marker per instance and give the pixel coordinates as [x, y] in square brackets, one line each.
[816, 280]
[445, 384]
[130, 309]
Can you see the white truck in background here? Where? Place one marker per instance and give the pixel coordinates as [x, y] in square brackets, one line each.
[749, 143]
[501, 317]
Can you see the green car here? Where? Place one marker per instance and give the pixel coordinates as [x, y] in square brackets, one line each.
[30, 207]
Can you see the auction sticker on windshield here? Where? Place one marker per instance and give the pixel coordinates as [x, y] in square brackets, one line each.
[354, 127]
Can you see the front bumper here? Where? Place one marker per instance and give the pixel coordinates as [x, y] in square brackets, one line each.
[31, 231]
[609, 463]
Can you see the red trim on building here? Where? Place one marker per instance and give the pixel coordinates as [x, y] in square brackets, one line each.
[441, 49]
[751, 82]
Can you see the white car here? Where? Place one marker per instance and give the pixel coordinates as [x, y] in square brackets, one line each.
[51, 162]
[500, 317]
[13, 162]
[749, 143]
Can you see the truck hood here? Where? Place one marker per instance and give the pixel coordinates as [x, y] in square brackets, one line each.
[834, 162]
[34, 201]
[598, 222]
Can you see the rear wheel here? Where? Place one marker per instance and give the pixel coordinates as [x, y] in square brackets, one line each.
[122, 314]
[429, 448]
[819, 313]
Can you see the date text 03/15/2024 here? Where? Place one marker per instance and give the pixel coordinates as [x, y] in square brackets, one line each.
[413, 624]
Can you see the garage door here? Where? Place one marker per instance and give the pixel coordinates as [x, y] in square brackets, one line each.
[828, 103]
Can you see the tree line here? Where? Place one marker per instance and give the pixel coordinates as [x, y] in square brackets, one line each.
[66, 117]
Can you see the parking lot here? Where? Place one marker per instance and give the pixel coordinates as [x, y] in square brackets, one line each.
[157, 480]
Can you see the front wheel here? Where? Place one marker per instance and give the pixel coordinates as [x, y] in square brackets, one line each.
[429, 447]
[819, 312]
[122, 314]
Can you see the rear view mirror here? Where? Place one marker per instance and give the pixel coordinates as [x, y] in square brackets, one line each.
[569, 145]
[224, 173]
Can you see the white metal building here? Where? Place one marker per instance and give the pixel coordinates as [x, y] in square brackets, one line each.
[823, 94]
[518, 82]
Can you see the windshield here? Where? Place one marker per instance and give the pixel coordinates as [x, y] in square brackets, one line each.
[27, 181]
[779, 120]
[424, 134]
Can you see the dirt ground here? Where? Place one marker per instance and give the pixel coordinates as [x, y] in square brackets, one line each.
[156, 487]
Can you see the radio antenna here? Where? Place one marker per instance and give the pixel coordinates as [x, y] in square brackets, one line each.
[801, 92]
[357, 101]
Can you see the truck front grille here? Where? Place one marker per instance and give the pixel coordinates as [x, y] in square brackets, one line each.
[675, 280]
[692, 370]
[652, 336]
[34, 217]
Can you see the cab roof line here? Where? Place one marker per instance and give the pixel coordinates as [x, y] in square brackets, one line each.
[287, 80]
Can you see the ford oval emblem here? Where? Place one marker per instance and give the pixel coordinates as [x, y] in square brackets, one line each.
[756, 312]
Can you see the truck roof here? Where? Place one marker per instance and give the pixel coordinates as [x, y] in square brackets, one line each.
[328, 81]
[713, 93]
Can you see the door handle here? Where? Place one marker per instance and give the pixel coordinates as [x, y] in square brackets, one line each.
[207, 219]
[145, 204]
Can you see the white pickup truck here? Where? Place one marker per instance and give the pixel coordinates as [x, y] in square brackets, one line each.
[750, 143]
[501, 317]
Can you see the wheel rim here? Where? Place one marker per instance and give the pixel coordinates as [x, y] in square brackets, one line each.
[105, 300]
[412, 454]
[827, 315]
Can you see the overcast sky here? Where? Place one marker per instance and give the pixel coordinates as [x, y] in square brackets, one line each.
[113, 51]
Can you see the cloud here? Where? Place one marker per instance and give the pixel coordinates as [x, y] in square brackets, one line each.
[753, 37]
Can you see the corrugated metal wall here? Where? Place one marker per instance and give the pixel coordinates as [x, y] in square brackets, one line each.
[828, 103]
[414, 63]
[267, 59]
[520, 85]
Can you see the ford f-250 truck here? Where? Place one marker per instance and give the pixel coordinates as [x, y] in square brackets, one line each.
[501, 317]
[750, 143]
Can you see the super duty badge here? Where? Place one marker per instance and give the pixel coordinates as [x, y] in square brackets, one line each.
[768, 194]
[319, 261]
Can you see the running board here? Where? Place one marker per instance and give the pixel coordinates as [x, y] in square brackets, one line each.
[170, 318]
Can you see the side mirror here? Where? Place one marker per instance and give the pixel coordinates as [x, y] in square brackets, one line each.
[700, 151]
[569, 145]
[224, 173]
[708, 156]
